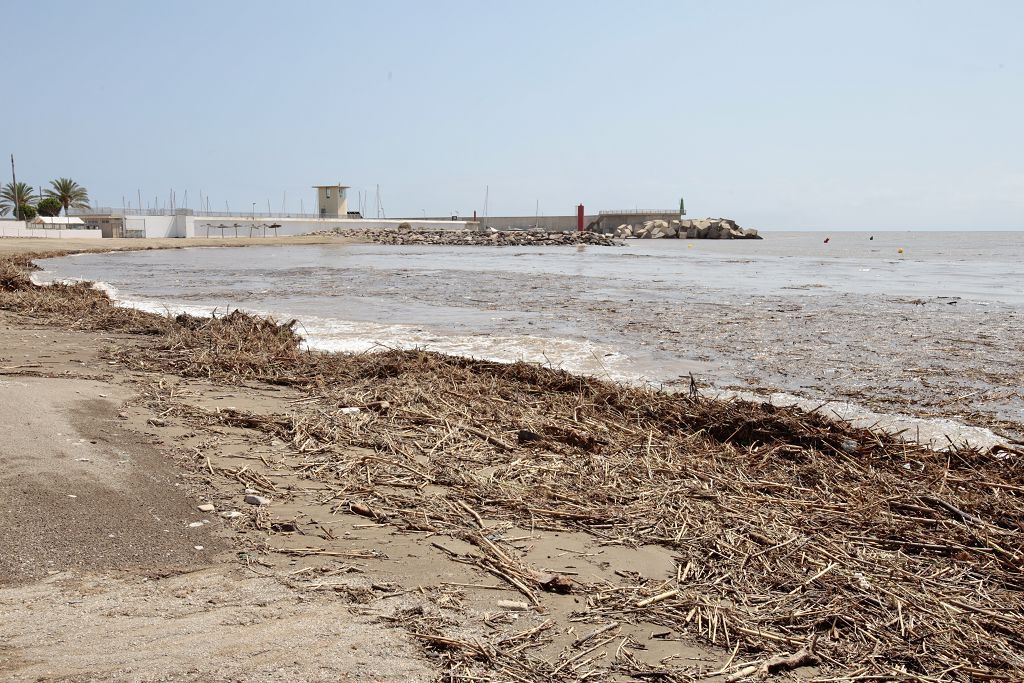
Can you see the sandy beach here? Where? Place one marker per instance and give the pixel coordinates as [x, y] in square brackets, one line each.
[541, 360]
[414, 516]
[111, 572]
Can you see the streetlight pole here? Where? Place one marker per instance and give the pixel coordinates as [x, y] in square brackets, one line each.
[14, 190]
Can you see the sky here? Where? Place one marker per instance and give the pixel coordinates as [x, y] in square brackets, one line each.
[898, 114]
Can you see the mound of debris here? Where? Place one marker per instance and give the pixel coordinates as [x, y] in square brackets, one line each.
[696, 229]
[488, 238]
[795, 539]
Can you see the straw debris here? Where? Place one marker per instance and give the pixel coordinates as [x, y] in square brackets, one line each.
[797, 539]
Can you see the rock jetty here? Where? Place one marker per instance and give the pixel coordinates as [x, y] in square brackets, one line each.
[696, 229]
[488, 238]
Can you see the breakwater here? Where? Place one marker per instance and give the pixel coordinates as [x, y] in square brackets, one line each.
[699, 228]
[491, 237]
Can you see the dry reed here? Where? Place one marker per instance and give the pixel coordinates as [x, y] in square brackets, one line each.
[795, 535]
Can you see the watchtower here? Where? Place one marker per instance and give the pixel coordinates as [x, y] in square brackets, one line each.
[332, 201]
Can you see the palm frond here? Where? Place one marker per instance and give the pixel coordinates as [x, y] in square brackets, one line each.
[12, 195]
[70, 194]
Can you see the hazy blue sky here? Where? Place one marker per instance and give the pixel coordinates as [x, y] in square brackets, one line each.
[798, 114]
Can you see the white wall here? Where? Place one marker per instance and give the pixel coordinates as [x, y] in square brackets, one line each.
[19, 229]
[159, 226]
[196, 226]
[299, 226]
[154, 226]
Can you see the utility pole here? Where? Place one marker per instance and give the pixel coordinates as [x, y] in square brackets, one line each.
[14, 191]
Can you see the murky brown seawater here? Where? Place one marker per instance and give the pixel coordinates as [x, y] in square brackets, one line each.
[937, 331]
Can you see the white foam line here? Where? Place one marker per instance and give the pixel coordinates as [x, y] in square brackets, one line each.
[580, 357]
[935, 433]
[568, 354]
[349, 336]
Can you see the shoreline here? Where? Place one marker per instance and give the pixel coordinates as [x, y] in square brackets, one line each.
[474, 473]
[799, 348]
[39, 245]
[938, 432]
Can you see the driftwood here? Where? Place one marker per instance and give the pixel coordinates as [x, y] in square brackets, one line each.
[773, 665]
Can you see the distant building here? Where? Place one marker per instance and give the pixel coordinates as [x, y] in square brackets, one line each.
[332, 201]
[58, 222]
[331, 214]
[108, 223]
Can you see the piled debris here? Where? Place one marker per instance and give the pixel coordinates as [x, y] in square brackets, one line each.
[700, 228]
[488, 238]
[797, 539]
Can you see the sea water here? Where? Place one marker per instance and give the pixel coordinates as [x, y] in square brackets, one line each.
[615, 312]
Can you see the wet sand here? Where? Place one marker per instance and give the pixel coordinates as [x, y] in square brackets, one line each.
[106, 574]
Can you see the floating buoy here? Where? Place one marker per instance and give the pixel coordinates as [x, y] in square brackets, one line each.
[900, 250]
[871, 238]
[827, 239]
[689, 246]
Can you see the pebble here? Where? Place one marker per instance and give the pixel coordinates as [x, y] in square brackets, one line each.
[257, 500]
[232, 514]
[194, 525]
[206, 507]
[198, 547]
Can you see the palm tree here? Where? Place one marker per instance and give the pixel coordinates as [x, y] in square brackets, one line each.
[70, 194]
[13, 196]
